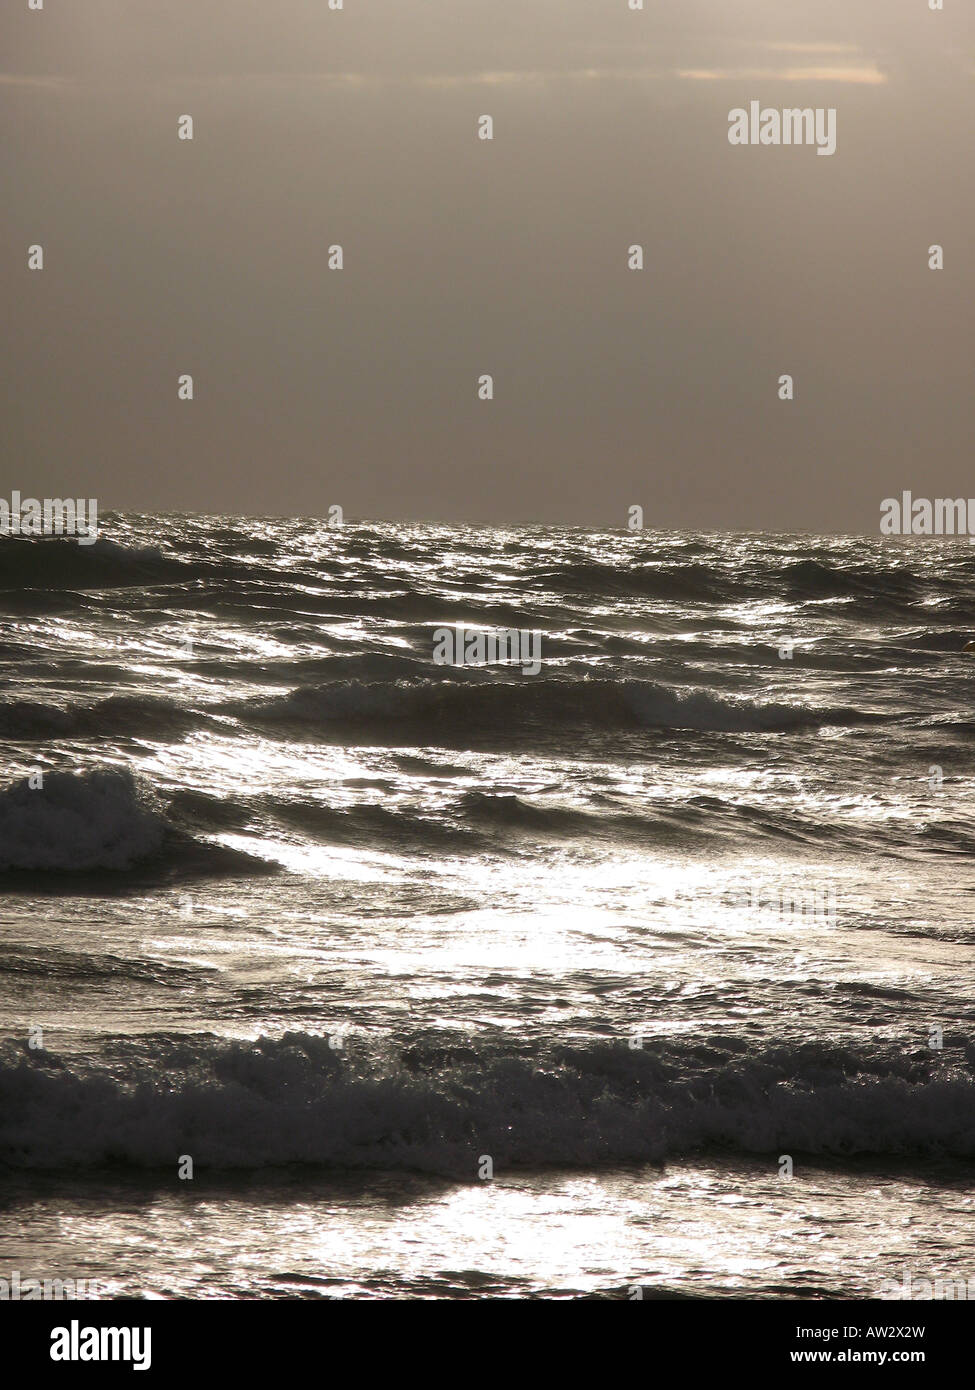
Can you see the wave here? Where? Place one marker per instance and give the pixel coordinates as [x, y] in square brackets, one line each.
[506, 809]
[61, 563]
[451, 707]
[477, 820]
[716, 581]
[700, 576]
[31, 962]
[101, 821]
[98, 820]
[372, 825]
[676, 582]
[300, 1100]
[816, 579]
[117, 716]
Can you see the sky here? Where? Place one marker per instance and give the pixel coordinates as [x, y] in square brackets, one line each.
[464, 257]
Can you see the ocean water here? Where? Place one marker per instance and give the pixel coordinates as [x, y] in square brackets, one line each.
[462, 981]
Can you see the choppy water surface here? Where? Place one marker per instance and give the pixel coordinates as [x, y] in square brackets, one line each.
[339, 922]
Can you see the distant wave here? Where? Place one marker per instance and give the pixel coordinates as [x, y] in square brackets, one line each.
[61, 563]
[117, 716]
[700, 581]
[817, 579]
[439, 1108]
[675, 582]
[233, 563]
[443, 706]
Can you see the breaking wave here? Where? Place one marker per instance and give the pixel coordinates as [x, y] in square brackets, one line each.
[101, 820]
[298, 1100]
[104, 820]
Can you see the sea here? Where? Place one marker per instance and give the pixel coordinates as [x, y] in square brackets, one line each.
[332, 970]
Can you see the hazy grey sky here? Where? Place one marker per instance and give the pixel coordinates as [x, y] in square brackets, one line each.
[463, 257]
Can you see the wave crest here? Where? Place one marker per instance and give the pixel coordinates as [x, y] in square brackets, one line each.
[99, 820]
[458, 706]
[436, 1108]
